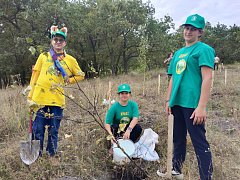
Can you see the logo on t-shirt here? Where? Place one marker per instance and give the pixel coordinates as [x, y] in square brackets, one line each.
[123, 123]
[124, 113]
[182, 55]
[125, 120]
[181, 66]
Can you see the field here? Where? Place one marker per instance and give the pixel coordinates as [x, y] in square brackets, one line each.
[83, 148]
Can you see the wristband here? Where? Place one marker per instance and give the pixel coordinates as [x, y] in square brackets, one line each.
[129, 128]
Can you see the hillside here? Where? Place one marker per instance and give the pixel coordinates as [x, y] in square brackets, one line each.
[83, 148]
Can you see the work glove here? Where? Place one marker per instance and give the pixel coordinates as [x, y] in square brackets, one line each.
[26, 90]
[31, 104]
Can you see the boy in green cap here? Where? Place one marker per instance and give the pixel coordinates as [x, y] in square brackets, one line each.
[122, 118]
[187, 96]
[51, 72]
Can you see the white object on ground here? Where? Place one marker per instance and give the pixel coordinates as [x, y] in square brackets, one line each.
[113, 101]
[145, 147]
[106, 102]
[118, 156]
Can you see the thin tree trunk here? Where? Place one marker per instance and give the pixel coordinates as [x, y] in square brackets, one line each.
[125, 60]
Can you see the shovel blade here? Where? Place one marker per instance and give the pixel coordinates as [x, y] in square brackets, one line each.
[29, 151]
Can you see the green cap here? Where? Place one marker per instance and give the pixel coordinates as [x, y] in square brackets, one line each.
[60, 33]
[196, 21]
[124, 88]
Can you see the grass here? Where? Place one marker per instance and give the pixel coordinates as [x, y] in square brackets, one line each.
[83, 148]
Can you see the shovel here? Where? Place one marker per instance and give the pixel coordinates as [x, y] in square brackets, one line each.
[29, 150]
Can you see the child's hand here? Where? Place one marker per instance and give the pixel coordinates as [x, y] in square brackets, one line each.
[167, 108]
[126, 135]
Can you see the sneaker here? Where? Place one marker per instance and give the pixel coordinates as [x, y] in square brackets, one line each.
[177, 175]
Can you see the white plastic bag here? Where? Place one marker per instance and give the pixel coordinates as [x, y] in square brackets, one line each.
[145, 147]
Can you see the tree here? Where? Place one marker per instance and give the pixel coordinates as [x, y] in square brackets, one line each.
[106, 35]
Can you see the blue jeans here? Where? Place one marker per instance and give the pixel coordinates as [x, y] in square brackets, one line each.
[182, 124]
[49, 116]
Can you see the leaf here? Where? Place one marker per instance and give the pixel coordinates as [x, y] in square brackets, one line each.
[40, 48]
[71, 96]
[29, 40]
[99, 140]
[32, 49]
[110, 137]
[67, 136]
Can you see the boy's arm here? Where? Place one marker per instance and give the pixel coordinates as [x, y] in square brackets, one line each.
[77, 73]
[33, 81]
[77, 78]
[169, 90]
[200, 112]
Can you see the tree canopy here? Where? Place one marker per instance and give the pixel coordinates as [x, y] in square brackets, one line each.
[109, 36]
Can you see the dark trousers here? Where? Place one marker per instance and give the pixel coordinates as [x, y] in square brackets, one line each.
[134, 135]
[182, 124]
[216, 66]
[49, 116]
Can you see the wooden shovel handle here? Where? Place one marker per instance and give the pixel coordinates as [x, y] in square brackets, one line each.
[30, 122]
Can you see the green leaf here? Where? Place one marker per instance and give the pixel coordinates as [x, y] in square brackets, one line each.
[32, 49]
[110, 137]
[99, 140]
[29, 40]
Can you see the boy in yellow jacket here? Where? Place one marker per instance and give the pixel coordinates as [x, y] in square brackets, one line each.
[51, 72]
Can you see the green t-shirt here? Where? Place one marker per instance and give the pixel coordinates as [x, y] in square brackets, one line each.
[119, 114]
[185, 69]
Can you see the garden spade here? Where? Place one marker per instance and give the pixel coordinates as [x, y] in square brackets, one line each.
[29, 150]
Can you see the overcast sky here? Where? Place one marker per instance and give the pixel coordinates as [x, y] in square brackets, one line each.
[223, 11]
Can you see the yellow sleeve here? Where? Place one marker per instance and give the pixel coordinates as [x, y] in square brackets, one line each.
[34, 78]
[77, 73]
[35, 74]
[76, 79]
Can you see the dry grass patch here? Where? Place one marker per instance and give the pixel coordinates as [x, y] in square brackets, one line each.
[83, 148]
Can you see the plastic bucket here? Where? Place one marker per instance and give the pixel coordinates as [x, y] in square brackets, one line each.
[118, 156]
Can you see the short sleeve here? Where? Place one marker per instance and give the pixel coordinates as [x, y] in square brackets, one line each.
[170, 69]
[38, 65]
[206, 57]
[135, 110]
[76, 70]
[110, 115]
